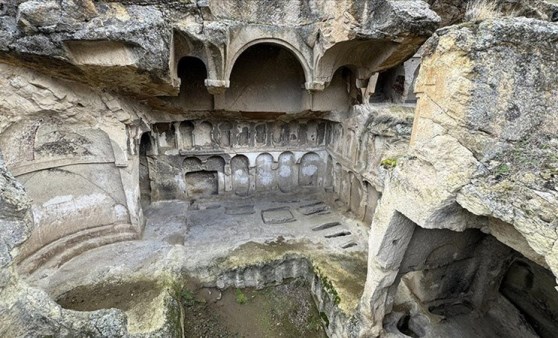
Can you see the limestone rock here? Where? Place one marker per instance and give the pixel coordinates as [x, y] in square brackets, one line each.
[482, 148]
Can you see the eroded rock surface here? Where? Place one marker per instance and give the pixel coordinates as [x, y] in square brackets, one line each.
[244, 143]
[484, 122]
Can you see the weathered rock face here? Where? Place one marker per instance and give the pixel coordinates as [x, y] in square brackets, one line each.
[135, 46]
[243, 143]
[481, 156]
[25, 311]
[110, 105]
[79, 132]
[454, 11]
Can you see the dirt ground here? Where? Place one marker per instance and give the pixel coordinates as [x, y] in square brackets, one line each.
[120, 296]
[285, 310]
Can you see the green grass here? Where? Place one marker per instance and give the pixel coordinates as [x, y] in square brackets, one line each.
[240, 297]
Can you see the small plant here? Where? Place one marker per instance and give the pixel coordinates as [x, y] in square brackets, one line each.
[502, 169]
[389, 163]
[187, 297]
[328, 286]
[324, 318]
[240, 297]
[478, 10]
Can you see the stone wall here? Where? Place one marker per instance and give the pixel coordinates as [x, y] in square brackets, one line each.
[481, 149]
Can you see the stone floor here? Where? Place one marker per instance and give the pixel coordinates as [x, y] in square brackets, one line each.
[216, 222]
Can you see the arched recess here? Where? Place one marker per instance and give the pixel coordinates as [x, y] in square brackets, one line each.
[192, 164]
[212, 55]
[202, 179]
[310, 170]
[240, 175]
[271, 41]
[202, 134]
[193, 93]
[225, 134]
[287, 173]
[341, 92]
[265, 178]
[186, 131]
[165, 134]
[264, 75]
[365, 56]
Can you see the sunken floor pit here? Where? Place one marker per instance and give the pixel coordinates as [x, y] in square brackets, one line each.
[212, 168]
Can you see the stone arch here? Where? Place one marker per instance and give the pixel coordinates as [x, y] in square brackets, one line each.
[310, 170]
[188, 45]
[240, 175]
[192, 164]
[265, 178]
[215, 163]
[271, 41]
[193, 94]
[365, 57]
[341, 92]
[262, 76]
[286, 172]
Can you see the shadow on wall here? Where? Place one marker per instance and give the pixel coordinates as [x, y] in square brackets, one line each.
[263, 76]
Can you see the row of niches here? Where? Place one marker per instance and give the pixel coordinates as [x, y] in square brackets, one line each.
[176, 177]
[194, 177]
[204, 135]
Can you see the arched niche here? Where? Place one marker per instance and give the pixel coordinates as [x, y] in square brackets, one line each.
[311, 133]
[193, 93]
[144, 179]
[294, 131]
[243, 134]
[390, 86]
[240, 175]
[186, 131]
[310, 170]
[202, 134]
[166, 135]
[337, 137]
[225, 134]
[265, 178]
[340, 94]
[215, 163]
[286, 172]
[364, 56]
[201, 180]
[192, 164]
[281, 133]
[262, 77]
[261, 134]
